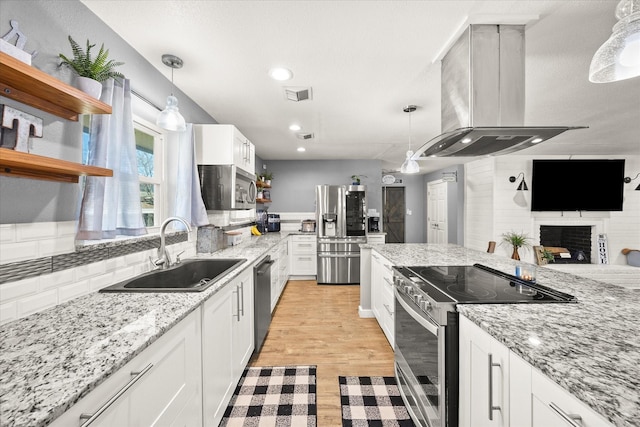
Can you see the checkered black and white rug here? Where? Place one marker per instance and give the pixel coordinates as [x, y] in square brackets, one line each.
[274, 396]
[372, 402]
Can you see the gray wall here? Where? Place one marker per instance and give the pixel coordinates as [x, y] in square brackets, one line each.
[47, 24]
[294, 181]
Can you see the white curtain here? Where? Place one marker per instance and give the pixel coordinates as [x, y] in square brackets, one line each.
[111, 205]
[188, 202]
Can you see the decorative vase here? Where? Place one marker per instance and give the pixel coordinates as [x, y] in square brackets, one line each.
[515, 255]
[89, 86]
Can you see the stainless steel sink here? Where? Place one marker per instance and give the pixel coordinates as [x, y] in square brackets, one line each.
[191, 275]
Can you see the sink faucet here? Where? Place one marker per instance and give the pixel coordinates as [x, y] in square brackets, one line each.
[164, 260]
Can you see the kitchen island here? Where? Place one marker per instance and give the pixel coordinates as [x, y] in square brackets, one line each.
[591, 349]
[50, 360]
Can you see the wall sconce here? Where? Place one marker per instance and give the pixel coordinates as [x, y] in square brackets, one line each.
[170, 118]
[628, 180]
[523, 185]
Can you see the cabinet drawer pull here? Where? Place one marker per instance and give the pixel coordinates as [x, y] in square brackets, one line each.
[491, 406]
[90, 418]
[237, 292]
[574, 420]
[390, 282]
[388, 309]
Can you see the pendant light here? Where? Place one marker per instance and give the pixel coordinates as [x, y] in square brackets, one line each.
[619, 57]
[170, 118]
[409, 165]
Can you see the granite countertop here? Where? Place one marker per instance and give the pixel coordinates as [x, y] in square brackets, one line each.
[591, 349]
[51, 359]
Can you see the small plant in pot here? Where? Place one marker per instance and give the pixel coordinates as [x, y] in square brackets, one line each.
[267, 177]
[91, 71]
[355, 179]
[516, 240]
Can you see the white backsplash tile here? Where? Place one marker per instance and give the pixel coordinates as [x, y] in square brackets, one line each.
[14, 290]
[38, 302]
[19, 251]
[7, 233]
[74, 290]
[36, 231]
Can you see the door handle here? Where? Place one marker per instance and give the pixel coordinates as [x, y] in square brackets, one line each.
[574, 420]
[492, 407]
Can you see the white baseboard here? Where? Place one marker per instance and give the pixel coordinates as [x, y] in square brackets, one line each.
[365, 312]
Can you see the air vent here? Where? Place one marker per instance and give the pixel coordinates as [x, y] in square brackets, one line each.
[304, 135]
[297, 94]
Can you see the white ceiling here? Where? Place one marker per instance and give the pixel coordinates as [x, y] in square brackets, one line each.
[366, 60]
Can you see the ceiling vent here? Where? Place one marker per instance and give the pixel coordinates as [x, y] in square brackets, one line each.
[297, 94]
[304, 135]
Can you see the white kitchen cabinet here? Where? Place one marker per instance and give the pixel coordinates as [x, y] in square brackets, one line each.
[382, 298]
[526, 397]
[217, 369]
[554, 406]
[227, 343]
[242, 330]
[376, 239]
[303, 255]
[279, 271]
[218, 144]
[484, 378]
[160, 386]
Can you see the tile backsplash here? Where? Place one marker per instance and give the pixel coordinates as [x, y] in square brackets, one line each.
[41, 267]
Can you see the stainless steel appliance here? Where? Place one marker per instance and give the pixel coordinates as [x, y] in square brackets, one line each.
[483, 96]
[273, 222]
[426, 330]
[308, 226]
[226, 187]
[341, 223]
[262, 301]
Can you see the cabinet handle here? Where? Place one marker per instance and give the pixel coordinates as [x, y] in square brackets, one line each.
[388, 310]
[90, 418]
[491, 406]
[386, 279]
[574, 420]
[237, 292]
[242, 297]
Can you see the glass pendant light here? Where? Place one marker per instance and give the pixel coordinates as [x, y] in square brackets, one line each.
[619, 57]
[170, 118]
[409, 165]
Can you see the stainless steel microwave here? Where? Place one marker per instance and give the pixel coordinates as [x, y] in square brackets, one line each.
[225, 187]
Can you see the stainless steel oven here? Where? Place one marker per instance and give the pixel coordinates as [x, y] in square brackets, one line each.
[426, 330]
[426, 362]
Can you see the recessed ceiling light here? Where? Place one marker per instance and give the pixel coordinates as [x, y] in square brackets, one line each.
[280, 74]
[301, 149]
[295, 127]
[536, 140]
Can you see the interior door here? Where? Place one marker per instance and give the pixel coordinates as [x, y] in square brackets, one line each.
[393, 214]
[437, 228]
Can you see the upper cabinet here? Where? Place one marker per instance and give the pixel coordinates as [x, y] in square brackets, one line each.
[28, 85]
[224, 145]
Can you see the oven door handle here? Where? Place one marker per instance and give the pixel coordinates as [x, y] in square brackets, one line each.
[426, 323]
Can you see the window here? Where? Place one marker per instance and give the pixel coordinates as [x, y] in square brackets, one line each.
[149, 153]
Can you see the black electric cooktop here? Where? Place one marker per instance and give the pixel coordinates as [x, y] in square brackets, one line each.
[480, 284]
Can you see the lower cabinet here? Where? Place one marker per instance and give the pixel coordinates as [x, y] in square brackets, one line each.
[303, 255]
[524, 395]
[484, 378]
[279, 271]
[160, 386]
[382, 298]
[227, 344]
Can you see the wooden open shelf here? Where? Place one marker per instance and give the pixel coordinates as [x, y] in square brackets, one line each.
[28, 85]
[263, 200]
[262, 184]
[25, 165]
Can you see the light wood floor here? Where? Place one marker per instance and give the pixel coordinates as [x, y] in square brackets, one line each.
[319, 325]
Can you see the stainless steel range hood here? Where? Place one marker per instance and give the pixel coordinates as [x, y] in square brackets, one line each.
[483, 96]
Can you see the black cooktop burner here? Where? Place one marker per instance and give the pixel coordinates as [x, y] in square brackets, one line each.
[481, 284]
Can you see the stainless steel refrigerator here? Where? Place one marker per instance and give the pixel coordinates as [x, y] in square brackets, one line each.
[341, 218]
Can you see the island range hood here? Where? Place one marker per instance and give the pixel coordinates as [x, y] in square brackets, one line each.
[483, 96]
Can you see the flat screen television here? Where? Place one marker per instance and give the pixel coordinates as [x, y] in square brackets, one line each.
[577, 185]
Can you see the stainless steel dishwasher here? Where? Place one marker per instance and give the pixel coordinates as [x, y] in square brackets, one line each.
[262, 302]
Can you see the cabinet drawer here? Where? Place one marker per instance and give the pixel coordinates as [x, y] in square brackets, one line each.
[304, 264]
[306, 247]
[376, 239]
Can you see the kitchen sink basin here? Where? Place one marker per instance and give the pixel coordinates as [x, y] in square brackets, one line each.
[191, 275]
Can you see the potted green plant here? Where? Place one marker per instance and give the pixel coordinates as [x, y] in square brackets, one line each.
[355, 179]
[267, 177]
[547, 255]
[91, 71]
[516, 240]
